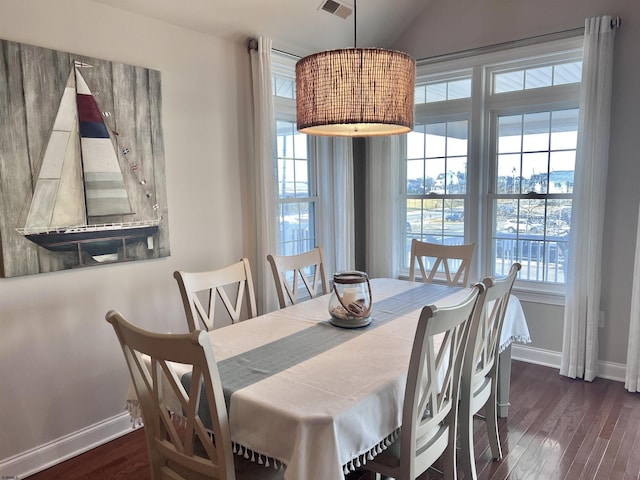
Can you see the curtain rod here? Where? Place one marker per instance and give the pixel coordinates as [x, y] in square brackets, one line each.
[616, 22]
[252, 44]
[287, 54]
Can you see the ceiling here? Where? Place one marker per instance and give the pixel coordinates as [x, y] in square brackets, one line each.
[300, 27]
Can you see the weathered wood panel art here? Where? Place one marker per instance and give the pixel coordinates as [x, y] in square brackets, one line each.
[82, 173]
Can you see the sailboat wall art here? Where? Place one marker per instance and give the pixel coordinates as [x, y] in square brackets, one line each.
[82, 174]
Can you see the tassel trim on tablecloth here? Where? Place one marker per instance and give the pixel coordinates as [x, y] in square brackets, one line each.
[362, 459]
[135, 412]
[259, 458]
[133, 407]
[514, 338]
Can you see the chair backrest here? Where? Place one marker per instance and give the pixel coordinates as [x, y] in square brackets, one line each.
[289, 269]
[178, 448]
[479, 376]
[429, 415]
[479, 371]
[199, 291]
[455, 260]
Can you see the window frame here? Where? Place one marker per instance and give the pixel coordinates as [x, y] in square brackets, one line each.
[429, 120]
[284, 110]
[484, 106]
[521, 102]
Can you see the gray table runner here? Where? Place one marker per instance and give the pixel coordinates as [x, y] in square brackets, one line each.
[252, 366]
[269, 359]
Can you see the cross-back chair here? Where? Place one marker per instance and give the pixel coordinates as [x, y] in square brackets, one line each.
[430, 409]
[288, 270]
[455, 261]
[480, 370]
[199, 291]
[178, 450]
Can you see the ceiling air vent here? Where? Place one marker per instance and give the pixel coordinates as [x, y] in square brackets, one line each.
[335, 8]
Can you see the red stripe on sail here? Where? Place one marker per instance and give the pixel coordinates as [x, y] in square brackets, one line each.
[88, 110]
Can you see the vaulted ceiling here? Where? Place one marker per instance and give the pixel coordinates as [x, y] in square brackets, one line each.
[295, 26]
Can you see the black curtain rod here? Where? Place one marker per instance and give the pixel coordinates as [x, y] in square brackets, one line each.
[252, 44]
[616, 22]
[286, 53]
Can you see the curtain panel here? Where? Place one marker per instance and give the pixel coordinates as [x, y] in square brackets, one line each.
[582, 303]
[382, 207]
[632, 376]
[334, 156]
[264, 173]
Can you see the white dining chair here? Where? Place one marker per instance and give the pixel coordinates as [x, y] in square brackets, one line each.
[195, 443]
[480, 371]
[288, 270]
[430, 408]
[455, 261]
[231, 284]
[176, 448]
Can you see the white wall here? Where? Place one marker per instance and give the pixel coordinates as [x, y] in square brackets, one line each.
[61, 369]
[451, 26]
[62, 374]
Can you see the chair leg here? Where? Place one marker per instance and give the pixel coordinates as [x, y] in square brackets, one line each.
[491, 413]
[450, 455]
[467, 454]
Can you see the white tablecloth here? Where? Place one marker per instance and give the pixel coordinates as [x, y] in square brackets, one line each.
[325, 408]
[515, 327]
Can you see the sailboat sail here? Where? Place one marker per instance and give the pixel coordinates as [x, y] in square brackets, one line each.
[104, 186]
[58, 198]
[80, 181]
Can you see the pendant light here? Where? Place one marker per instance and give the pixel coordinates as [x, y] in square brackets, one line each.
[355, 92]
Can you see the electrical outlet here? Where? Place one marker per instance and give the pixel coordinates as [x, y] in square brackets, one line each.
[601, 319]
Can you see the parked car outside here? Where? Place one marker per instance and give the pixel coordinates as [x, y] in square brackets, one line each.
[522, 226]
[455, 217]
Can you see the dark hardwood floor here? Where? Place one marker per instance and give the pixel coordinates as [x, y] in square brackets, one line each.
[557, 429]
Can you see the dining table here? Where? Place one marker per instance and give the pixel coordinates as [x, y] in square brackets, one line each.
[318, 400]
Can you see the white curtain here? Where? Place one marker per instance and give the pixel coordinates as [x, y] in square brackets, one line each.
[335, 165]
[264, 175]
[382, 194]
[632, 377]
[582, 304]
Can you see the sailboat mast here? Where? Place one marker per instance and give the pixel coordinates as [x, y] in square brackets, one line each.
[84, 185]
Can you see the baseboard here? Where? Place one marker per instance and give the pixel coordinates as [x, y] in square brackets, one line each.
[42, 457]
[548, 358]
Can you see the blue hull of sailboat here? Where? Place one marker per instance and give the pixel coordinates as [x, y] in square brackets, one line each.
[100, 242]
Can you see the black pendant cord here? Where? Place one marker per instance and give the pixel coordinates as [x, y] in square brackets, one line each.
[355, 23]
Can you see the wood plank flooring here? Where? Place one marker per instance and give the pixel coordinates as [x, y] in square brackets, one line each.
[558, 429]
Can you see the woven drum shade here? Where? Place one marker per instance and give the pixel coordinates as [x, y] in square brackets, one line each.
[355, 92]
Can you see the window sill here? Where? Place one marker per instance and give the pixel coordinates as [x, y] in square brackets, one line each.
[537, 296]
[528, 295]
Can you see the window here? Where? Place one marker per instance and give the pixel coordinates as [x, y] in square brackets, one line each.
[436, 183]
[439, 91]
[296, 174]
[436, 170]
[296, 191]
[284, 86]
[537, 77]
[491, 159]
[533, 187]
